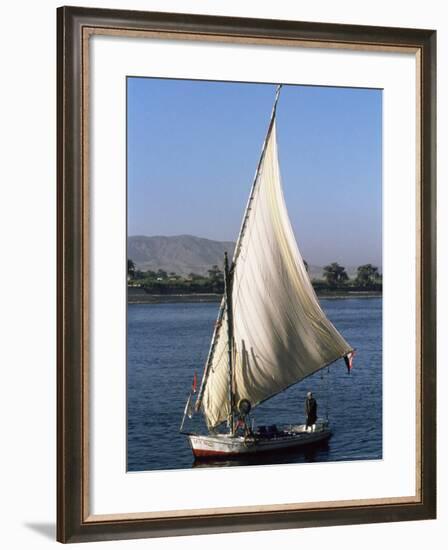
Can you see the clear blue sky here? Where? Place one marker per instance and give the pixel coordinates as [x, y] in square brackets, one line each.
[193, 147]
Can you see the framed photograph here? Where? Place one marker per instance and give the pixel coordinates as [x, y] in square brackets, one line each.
[246, 274]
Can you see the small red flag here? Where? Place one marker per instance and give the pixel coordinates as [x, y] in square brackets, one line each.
[349, 360]
[195, 383]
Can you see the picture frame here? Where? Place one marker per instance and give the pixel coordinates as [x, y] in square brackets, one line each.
[76, 26]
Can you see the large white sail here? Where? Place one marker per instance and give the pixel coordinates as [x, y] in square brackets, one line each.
[281, 335]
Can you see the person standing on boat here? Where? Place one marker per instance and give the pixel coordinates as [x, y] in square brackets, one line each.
[310, 411]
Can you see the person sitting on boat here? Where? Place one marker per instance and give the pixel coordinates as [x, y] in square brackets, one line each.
[310, 411]
[242, 427]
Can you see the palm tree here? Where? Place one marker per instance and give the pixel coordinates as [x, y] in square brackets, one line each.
[131, 269]
[367, 275]
[215, 274]
[335, 274]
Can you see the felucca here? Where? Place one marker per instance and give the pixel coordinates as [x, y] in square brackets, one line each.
[270, 333]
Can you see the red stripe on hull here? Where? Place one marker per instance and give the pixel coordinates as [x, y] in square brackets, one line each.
[202, 452]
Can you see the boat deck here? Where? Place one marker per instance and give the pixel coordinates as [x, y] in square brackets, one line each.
[266, 438]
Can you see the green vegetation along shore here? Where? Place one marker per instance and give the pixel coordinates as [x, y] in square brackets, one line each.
[161, 286]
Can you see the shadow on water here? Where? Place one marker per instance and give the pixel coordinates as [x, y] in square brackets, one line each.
[315, 452]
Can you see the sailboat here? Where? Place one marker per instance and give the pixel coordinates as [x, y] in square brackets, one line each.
[270, 332]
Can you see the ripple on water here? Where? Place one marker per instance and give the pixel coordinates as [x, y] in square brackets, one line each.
[168, 342]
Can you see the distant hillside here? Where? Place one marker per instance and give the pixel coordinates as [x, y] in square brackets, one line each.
[185, 254]
[182, 254]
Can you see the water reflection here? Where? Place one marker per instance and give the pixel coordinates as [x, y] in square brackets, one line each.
[315, 452]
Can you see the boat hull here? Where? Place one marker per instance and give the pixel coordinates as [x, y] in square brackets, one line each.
[226, 445]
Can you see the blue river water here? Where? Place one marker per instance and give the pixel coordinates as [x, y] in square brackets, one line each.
[168, 342]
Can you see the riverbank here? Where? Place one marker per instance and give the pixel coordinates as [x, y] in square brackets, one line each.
[349, 293]
[145, 298]
[139, 296]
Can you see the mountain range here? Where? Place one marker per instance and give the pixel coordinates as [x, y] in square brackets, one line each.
[185, 254]
[182, 254]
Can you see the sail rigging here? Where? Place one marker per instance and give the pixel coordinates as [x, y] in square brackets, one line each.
[280, 333]
[222, 317]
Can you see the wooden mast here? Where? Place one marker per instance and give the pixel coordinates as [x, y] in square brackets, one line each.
[228, 295]
[227, 280]
[227, 271]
